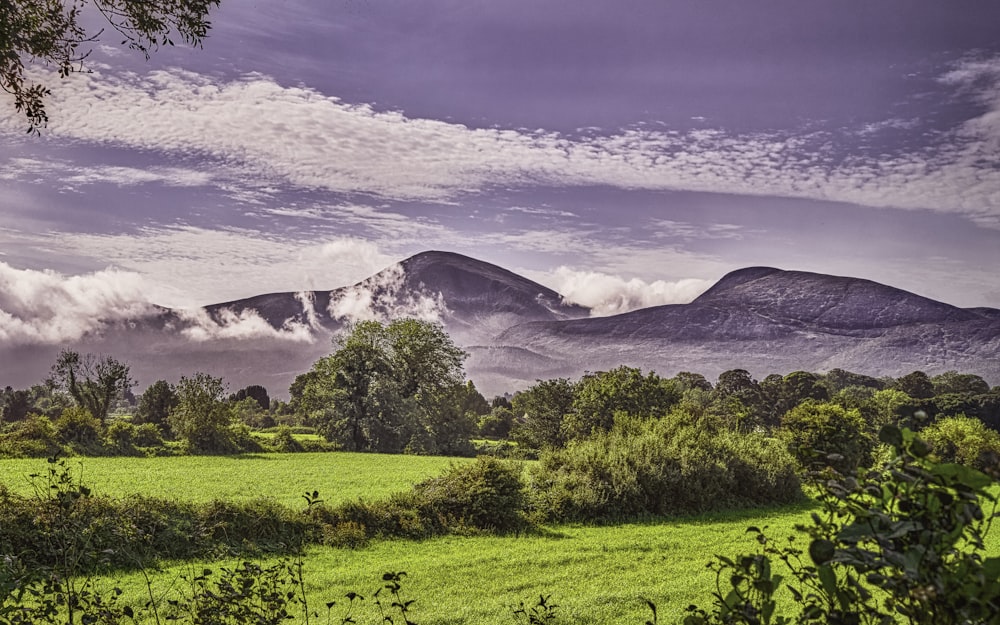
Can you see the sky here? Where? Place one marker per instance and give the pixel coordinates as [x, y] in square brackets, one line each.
[626, 154]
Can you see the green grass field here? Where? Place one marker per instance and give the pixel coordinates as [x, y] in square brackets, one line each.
[340, 476]
[594, 574]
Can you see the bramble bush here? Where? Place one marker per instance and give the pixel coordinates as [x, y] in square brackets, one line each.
[901, 543]
[965, 440]
[665, 466]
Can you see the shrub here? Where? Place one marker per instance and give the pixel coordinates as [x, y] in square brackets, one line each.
[119, 439]
[903, 543]
[659, 467]
[241, 439]
[487, 494]
[964, 440]
[147, 435]
[78, 428]
[822, 434]
[35, 437]
[261, 524]
[283, 440]
[350, 534]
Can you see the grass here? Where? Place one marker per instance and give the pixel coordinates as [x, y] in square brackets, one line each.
[339, 476]
[594, 574]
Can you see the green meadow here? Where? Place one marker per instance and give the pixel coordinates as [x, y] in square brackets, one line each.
[339, 477]
[595, 574]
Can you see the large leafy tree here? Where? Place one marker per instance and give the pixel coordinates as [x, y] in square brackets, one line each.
[201, 416]
[387, 387]
[156, 403]
[93, 383]
[15, 404]
[55, 33]
[738, 397]
[623, 390]
[540, 412]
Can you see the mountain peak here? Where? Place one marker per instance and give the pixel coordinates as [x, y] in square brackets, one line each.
[468, 282]
[830, 301]
[739, 277]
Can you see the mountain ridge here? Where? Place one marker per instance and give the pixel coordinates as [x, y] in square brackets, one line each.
[762, 319]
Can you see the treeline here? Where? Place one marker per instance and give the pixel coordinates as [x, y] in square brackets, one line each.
[388, 388]
[400, 387]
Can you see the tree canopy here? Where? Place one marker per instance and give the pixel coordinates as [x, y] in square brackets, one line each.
[93, 383]
[389, 388]
[53, 33]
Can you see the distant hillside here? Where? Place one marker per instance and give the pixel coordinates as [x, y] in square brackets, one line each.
[762, 319]
[473, 299]
[769, 321]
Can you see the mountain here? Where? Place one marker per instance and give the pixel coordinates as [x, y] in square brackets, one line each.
[474, 300]
[762, 319]
[768, 320]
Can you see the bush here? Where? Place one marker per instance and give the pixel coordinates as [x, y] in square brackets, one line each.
[903, 543]
[147, 435]
[241, 439]
[35, 437]
[661, 467]
[119, 439]
[822, 434]
[487, 494]
[964, 440]
[261, 524]
[350, 534]
[65, 522]
[79, 429]
[283, 440]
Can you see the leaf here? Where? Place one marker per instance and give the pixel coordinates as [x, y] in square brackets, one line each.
[963, 474]
[829, 579]
[991, 568]
[822, 551]
[919, 447]
[891, 435]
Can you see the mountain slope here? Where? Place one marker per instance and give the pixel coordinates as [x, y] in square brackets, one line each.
[762, 319]
[473, 299]
[773, 321]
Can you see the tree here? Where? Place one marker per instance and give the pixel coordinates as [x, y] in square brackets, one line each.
[964, 440]
[14, 405]
[540, 411]
[256, 392]
[825, 434]
[916, 384]
[386, 386]
[688, 380]
[955, 382]
[838, 379]
[93, 383]
[623, 390]
[54, 33]
[201, 416]
[155, 404]
[739, 396]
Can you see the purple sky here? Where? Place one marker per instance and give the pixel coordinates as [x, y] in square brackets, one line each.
[618, 152]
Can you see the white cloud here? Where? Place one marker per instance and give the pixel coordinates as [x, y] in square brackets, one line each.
[69, 174]
[300, 136]
[186, 267]
[49, 307]
[382, 298]
[669, 228]
[198, 325]
[607, 294]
